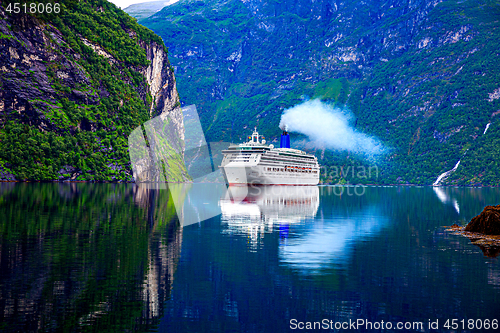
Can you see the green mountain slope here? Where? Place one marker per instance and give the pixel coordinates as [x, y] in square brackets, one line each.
[422, 76]
[74, 86]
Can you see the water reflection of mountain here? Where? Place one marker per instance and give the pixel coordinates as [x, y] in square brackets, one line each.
[394, 267]
[86, 257]
[256, 210]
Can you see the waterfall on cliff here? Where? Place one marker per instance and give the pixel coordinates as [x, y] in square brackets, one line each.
[487, 126]
[445, 175]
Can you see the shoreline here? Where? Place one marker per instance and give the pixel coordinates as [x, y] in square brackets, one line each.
[346, 185]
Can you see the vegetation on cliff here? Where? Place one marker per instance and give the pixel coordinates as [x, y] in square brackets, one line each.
[74, 87]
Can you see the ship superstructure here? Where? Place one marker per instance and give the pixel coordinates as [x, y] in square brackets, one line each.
[255, 162]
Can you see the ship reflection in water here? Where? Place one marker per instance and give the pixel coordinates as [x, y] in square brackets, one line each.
[257, 210]
[307, 242]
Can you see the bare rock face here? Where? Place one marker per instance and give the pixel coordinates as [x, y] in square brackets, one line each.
[488, 222]
[30, 52]
[161, 81]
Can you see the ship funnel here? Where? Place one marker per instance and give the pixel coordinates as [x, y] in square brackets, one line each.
[285, 140]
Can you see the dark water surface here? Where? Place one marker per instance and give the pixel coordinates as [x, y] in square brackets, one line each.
[112, 257]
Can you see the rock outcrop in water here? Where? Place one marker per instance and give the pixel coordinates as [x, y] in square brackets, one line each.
[488, 222]
[483, 231]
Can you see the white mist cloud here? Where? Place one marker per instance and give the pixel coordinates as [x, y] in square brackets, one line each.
[328, 127]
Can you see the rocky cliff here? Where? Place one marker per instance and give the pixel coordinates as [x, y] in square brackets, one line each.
[74, 86]
[420, 75]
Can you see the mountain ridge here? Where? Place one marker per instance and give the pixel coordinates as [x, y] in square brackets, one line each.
[144, 10]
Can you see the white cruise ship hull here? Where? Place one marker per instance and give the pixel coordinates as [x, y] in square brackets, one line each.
[239, 174]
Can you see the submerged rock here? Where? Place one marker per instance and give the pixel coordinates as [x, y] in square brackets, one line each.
[488, 222]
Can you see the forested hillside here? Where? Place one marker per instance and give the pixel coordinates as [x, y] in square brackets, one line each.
[422, 76]
[74, 84]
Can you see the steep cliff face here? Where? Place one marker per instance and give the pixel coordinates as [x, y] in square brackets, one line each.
[33, 56]
[74, 86]
[161, 81]
[421, 74]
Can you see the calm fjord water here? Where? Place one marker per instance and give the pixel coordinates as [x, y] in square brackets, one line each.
[112, 257]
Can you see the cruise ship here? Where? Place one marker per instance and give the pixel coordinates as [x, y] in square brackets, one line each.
[256, 163]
